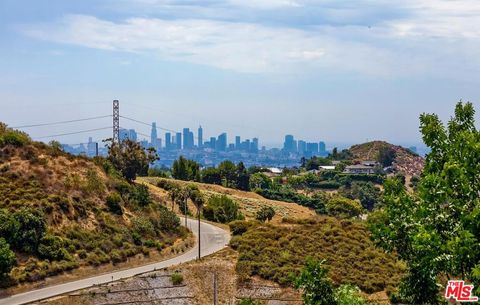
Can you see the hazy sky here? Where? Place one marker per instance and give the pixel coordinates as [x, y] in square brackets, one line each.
[333, 70]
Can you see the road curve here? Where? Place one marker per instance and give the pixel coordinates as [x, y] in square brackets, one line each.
[213, 239]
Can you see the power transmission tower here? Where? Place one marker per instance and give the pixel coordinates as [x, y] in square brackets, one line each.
[116, 121]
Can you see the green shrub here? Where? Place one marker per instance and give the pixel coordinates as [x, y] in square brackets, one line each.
[7, 258]
[239, 227]
[143, 226]
[221, 209]
[32, 226]
[166, 221]
[113, 203]
[52, 247]
[142, 195]
[15, 138]
[348, 295]
[265, 213]
[343, 207]
[177, 278]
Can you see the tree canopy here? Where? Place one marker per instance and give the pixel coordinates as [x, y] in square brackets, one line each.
[437, 229]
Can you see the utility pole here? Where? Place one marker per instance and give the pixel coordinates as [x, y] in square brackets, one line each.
[215, 294]
[116, 122]
[186, 203]
[199, 244]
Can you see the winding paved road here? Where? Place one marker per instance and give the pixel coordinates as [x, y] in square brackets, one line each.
[213, 239]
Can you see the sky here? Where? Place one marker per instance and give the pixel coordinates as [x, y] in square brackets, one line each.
[341, 71]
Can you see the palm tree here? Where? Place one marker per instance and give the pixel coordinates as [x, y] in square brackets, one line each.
[198, 200]
[173, 194]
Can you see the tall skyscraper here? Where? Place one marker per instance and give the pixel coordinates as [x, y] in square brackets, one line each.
[168, 141]
[238, 142]
[200, 137]
[187, 139]
[312, 148]
[290, 145]
[178, 140]
[254, 145]
[221, 144]
[322, 148]
[302, 147]
[153, 135]
[213, 142]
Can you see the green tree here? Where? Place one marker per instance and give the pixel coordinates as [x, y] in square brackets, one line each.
[32, 226]
[228, 173]
[315, 163]
[221, 209]
[211, 175]
[366, 192]
[343, 207]
[436, 230]
[185, 169]
[260, 181]
[130, 158]
[7, 258]
[265, 213]
[316, 285]
[243, 178]
[198, 200]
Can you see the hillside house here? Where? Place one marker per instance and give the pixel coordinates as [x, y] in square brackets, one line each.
[359, 169]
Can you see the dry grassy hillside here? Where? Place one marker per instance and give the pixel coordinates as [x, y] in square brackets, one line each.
[405, 162]
[249, 202]
[59, 212]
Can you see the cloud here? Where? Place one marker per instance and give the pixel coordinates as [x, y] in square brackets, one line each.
[236, 46]
[402, 39]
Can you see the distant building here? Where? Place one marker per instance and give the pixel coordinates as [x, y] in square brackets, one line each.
[322, 148]
[221, 144]
[302, 147]
[213, 143]
[125, 134]
[290, 145]
[187, 139]
[312, 149]
[200, 137]
[237, 142]
[153, 135]
[92, 148]
[359, 169]
[254, 147]
[178, 140]
[168, 141]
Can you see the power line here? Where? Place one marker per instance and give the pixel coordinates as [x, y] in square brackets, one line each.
[145, 123]
[72, 133]
[63, 122]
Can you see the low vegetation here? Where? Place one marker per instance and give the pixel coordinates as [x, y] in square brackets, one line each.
[278, 252]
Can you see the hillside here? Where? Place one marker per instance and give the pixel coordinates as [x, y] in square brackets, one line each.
[405, 161]
[249, 202]
[59, 212]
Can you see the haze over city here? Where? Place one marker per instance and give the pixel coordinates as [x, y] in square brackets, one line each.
[313, 69]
